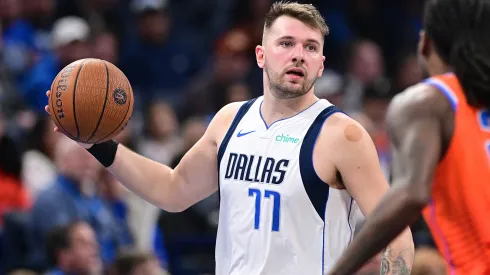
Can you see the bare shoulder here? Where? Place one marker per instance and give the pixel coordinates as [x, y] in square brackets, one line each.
[221, 121]
[418, 100]
[340, 128]
[342, 139]
[417, 103]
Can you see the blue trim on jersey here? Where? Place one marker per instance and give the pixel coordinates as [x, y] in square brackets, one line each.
[323, 239]
[445, 90]
[348, 217]
[315, 188]
[238, 117]
[286, 118]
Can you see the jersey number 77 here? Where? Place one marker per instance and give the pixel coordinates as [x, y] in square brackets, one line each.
[276, 208]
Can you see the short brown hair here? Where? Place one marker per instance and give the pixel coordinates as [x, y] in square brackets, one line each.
[128, 260]
[305, 13]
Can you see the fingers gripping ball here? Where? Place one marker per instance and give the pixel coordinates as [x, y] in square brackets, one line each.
[91, 101]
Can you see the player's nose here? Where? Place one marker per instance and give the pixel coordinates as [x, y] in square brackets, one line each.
[298, 55]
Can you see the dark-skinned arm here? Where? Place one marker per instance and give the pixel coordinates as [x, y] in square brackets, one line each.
[415, 127]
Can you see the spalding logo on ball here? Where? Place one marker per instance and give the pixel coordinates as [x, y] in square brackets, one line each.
[82, 105]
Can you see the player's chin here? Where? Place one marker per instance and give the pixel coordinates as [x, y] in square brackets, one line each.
[295, 84]
[295, 87]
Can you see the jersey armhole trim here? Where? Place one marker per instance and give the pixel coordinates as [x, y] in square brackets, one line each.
[453, 100]
[238, 117]
[316, 189]
[445, 89]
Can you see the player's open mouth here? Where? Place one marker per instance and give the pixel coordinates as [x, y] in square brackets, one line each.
[295, 72]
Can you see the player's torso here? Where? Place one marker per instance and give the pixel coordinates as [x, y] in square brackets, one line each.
[458, 213]
[271, 221]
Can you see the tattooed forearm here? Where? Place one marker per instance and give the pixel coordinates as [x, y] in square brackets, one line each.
[385, 264]
[393, 264]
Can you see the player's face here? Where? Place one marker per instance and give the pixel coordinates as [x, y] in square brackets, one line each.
[292, 57]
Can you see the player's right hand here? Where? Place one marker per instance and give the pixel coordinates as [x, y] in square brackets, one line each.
[56, 129]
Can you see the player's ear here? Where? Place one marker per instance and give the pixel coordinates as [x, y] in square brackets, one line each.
[424, 45]
[322, 67]
[259, 54]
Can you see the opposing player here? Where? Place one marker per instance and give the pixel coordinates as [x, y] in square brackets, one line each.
[291, 169]
[440, 130]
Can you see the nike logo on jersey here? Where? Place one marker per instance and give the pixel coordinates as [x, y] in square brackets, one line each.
[252, 168]
[240, 134]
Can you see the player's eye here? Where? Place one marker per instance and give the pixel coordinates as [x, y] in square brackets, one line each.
[311, 48]
[286, 43]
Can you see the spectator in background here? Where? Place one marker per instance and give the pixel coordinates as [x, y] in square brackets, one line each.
[160, 140]
[160, 143]
[27, 33]
[377, 96]
[237, 92]
[127, 137]
[364, 67]
[10, 100]
[192, 130]
[200, 221]
[73, 249]
[249, 18]
[102, 15]
[22, 272]
[113, 194]
[232, 63]
[18, 38]
[70, 40]
[207, 209]
[376, 99]
[13, 195]
[107, 47]
[39, 14]
[153, 59]
[73, 196]
[136, 263]
[408, 73]
[38, 169]
[330, 87]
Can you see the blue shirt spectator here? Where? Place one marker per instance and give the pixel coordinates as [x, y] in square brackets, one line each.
[73, 249]
[63, 203]
[70, 42]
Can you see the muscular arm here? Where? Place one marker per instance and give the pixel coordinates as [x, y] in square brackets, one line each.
[174, 190]
[171, 190]
[358, 164]
[195, 178]
[414, 120]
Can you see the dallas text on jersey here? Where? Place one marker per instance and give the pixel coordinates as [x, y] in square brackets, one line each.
[242, 167]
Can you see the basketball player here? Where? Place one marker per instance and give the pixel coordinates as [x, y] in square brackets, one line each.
[291, 170]
[440, 131]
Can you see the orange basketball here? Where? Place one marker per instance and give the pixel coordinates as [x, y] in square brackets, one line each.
[91, 100]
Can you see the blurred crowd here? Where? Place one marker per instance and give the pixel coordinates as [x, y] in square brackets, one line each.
[62, 213]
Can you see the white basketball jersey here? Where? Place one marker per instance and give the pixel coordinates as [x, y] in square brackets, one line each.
[276, 215]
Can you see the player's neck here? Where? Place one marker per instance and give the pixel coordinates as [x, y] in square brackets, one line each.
[438, 70]
[274, 108]
[437, 67]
